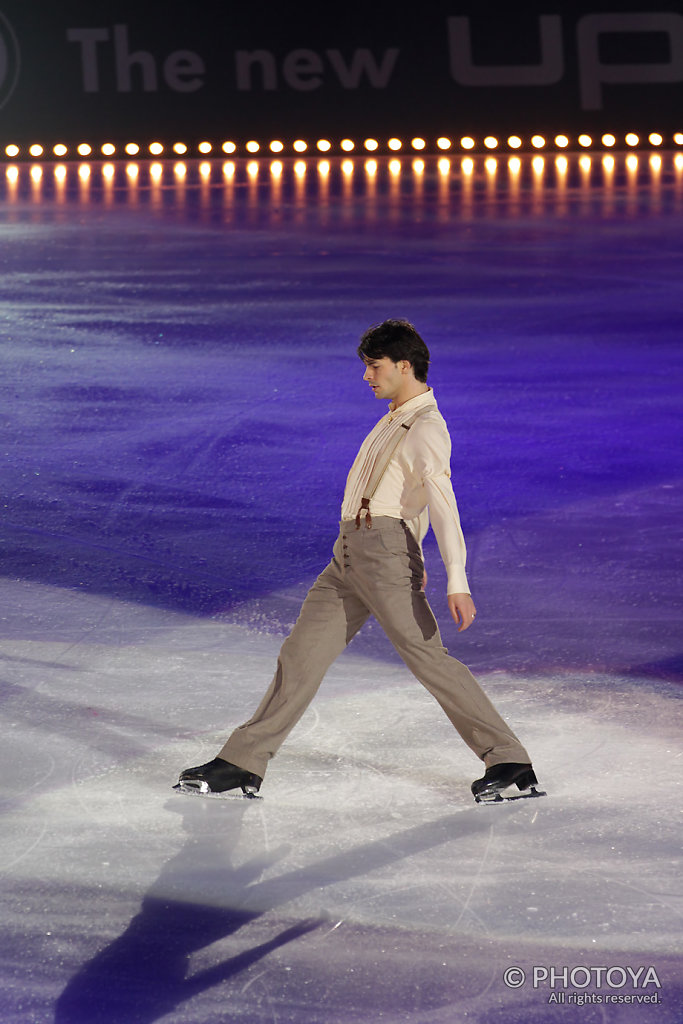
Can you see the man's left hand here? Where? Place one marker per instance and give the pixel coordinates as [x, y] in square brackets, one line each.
[461, 607]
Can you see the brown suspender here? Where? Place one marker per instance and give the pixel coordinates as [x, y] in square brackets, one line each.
[381, 465]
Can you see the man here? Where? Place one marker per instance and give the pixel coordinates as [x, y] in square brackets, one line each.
[400, 478]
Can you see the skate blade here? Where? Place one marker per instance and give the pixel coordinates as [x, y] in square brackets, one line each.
[499, 798]
[202, 789]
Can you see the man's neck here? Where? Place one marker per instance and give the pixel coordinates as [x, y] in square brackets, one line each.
[418, 388]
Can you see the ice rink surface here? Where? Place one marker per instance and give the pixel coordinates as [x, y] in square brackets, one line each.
[181, 400]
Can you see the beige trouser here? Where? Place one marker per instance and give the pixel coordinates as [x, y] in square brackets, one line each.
[378, 572]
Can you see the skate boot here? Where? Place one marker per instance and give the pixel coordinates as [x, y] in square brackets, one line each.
[218, 776]
[499, 777]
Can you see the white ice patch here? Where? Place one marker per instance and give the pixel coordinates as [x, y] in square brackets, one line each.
[367, 814]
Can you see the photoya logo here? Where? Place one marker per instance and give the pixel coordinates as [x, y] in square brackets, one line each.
[9, 60]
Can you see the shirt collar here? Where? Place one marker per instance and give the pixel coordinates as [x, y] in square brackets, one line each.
[414, 403]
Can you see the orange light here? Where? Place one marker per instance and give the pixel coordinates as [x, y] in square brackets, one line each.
[678, 138]
[180, 170]
[394, 167]
[36, 173]
[515, 164]
[371, 167]
[608, 163]
[229, 169]
[491, 165]
[656, 162]
[84, 172]
[585, 163]
[444, 166]
[608, 140]
[678, 161]
[538, 164]
[324, 167]
[205, 170]
[60, 172]
[300, 168]
[132, 170]
[632, 162]
[156, 173]
[562, 164]
[418, 166]
[108, 172]
[467, 166]
[276, 168]
[347, 166]
[252, 168]
[12, 174]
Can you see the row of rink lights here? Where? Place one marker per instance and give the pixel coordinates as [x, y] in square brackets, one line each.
[443, 144]
[301, 167]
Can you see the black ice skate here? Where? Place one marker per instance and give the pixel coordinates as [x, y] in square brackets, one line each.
[500, 776]
[218, 776]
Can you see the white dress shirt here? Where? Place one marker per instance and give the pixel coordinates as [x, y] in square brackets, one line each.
[417, 483]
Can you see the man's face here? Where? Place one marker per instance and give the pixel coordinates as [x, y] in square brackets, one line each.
[384, 377]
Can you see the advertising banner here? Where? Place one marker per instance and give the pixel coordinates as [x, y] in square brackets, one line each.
[78, 70]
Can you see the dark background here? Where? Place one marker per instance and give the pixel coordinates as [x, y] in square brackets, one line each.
[42, 94]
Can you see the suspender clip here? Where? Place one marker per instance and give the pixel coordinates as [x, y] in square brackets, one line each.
[365, 504]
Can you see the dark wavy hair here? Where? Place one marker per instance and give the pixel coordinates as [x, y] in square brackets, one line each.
[398, 340]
